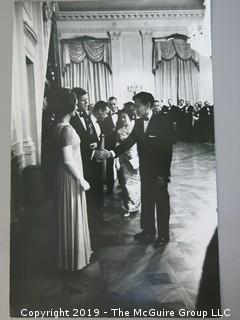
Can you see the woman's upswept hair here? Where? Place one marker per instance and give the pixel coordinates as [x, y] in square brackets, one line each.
[63, 102]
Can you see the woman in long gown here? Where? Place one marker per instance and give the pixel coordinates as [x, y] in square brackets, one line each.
[74, 248]
[128, 168]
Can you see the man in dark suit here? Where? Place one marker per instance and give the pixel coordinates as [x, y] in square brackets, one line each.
[156, 107]
[180, 124]
[168, 112]
[129, 107]
[204, 122]
[188, 121]
[173, 110]
[212, 136]
[197, 124]
[90, 136]
[109, 129]
[81, 124]
[154, 139]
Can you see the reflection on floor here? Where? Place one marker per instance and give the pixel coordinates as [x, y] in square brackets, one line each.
[124, 273]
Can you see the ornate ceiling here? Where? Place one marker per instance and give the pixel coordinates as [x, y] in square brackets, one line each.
[125, 5]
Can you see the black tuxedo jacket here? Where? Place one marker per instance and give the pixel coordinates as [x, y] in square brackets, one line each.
[173, 113]
[204, 114]
[188, 113]
[154, 147]
[109, 129]
[188, 109]
[86, 152]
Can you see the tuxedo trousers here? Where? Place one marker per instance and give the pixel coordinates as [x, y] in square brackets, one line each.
[110, 174]
[95, 196]
[155, 203]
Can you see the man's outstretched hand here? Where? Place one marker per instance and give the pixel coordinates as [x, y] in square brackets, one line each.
[101, 155]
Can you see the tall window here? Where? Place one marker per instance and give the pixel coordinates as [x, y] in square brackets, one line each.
[87, 64]
[176, 70]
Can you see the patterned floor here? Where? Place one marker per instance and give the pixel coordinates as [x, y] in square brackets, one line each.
[122, 272]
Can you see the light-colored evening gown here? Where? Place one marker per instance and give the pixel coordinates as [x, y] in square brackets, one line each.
[129, 173]
[74, 247]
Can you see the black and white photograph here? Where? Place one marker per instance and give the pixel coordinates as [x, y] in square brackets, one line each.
[113, 168]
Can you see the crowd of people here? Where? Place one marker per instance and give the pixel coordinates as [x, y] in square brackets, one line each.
[191, 123]
[94, 145]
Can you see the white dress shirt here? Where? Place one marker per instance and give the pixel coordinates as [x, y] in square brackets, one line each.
[146, 122]
[82, 120]
[145, 126]
[96, 125]
[114, 118]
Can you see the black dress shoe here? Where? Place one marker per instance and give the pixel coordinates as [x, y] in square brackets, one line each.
[160, 242]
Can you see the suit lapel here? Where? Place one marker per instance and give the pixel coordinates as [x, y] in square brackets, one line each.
[141, 127]
[150, 124]
[111, 121]
[95, 131]
[82, 122]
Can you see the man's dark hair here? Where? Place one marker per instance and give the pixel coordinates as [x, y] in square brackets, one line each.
[100, 105]
[79, 91]
[144, 97]
[112, 98]
[63, 102]
[129, 109]
[128, 105]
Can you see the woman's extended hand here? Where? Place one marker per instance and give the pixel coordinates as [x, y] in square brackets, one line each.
[84, 184]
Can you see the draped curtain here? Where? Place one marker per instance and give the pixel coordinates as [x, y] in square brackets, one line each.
[176, 70]
[87, 64]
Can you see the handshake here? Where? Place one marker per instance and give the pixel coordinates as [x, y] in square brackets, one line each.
[101, 155]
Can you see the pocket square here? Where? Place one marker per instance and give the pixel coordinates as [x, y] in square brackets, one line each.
[152, 136]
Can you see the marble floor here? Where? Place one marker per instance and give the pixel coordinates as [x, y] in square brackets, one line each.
[122, 272]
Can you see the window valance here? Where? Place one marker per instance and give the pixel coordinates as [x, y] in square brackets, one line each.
[76, 50]
[168, 49]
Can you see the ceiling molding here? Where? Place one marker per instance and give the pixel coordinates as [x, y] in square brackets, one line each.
[130, 15]
[168, 30]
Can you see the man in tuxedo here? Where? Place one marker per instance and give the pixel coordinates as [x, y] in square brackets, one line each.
[197, 123]
[181, 104]
[96, 203]
[188, 121]
[168, 112]
[80, 122]
[173, 110]
[180, 124]
[212, 135]
[129, 107]
[154, 139]
[109, 129]
[204, 122]
[156, 107]
[90, 135]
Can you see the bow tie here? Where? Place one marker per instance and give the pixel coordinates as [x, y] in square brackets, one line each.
[145, 118]
[114, 113]
[83, 115]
